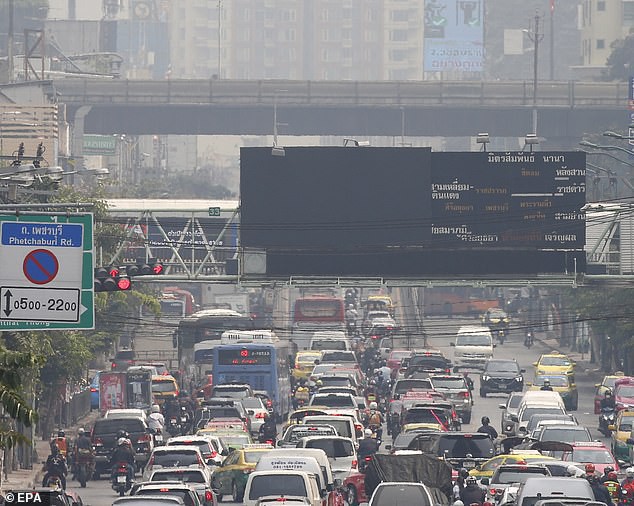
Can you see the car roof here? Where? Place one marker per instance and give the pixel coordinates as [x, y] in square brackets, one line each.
[158, 498]
[175, 448]
[164, 484]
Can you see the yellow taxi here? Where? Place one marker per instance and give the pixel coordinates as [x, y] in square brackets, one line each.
[562, 383]
[234, 440]
[487, 469]
[164, 387]
[555, 363]
[380, 303]
[231, 477]
[621, 431]
[431, 427]
[305, 363]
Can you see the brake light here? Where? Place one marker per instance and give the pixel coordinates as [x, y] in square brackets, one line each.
[113, 365]
[259, 415]
[374, 337]
[358, 426]
[208, 496]
[151, 461]
[355, 463]
[145, 438]
[98, 441]
[465, 394]
[447, 370]
[164, 489]
[214, 454]
[492, 491]
[521, 462]
[368, 458]
[269, 403]
[93, 389]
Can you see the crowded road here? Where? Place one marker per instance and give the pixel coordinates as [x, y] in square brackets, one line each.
[99, 493]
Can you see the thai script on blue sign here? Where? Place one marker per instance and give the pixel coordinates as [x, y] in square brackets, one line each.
[60, 235]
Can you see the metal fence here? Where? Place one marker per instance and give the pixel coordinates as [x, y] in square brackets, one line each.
[77, 407]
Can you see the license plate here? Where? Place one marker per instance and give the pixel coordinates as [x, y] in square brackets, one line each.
[121, 479]
[159, 438]
[468, 465]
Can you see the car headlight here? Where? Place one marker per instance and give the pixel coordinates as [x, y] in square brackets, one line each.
[485, 377]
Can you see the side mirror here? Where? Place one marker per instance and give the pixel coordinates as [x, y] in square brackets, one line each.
[452, 344]
[388, 447]
[485, 481]
[522, 370]
[224, 452]
[338, 482]
[573, 385]
[495, 345]
[211, 462]
[514, 418]
[387, 350]
[316, 362]
[529, 384]
[534, 364]
[279, 443]
[502, 406]
[250, 412]
[597, 385]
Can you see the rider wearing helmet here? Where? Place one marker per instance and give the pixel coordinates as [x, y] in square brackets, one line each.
[613, 486]
[368, 445]
[156, 420]
[123, 453]
[55, 466]
[472, 493]
[627, 487]
[601, 492]
[375, 419]
[546, 386]
[459, 484]
[268, 430]
[487, 429]
[608, 400]
[606, 471]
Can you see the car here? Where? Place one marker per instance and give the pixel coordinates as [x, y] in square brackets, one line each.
[624, 393]
[556, 364]
[621, 432]
[606, 384]
[233, 440]
[593, 452]
[395, 359]
[294, 433]
[149, 500]
[104, 437]
[563, 384]
[215, 409]
[404, 385]
[390, 493]
[126, 413]
[501, 376]
[341, 453]
[565, 433]
[231, 477]
[277, 482]
[94, 391]
[379, 302]
[509, 474]
[208, 449]
[235, 391]
[346, 426]
[461, 449]
[515, 457]
[123, 359]
[528, 409]
[256, 411]
[164, 387]
[338, 357]
[173, 456]
[304, 364]
[330, 340]
[473, 346]
[510, 408]
[456, 390]
[537, 488]
[424, 365]
[537, 421]
[182, 490]
[197, 478]
[497, 320]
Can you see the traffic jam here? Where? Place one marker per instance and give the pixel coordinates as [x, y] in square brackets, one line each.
[366, 413]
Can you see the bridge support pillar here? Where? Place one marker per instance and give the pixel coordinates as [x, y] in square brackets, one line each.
[77, 138]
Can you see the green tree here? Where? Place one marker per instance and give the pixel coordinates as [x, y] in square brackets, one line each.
[621, 61]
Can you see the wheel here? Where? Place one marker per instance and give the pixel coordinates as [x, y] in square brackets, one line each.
[351, 496]
[237, 497]
[96, 475]
[483, 393]
[121, 492]
[81, 476]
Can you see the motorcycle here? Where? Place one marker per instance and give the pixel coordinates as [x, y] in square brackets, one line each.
[184, 421]
[529, 339]
[501, 336]
[157, 434]
[173, 426]
[120, 481]
[364, 463]
[606, 418]
[84, 466]
[266, 439]
[53, 481]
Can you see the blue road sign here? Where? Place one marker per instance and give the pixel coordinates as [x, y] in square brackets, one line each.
[40, 266]
[58, 235]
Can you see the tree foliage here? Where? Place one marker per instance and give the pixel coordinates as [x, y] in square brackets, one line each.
[621, 61]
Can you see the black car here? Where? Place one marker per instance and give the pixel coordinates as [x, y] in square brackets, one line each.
[501, 376]
[461, 449]
[426, 365]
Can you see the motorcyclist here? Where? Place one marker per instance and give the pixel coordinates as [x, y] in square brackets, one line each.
[156, 420]
[383, 373]
[601, 492]
[302, 394]
[375, 419]
[468, 380]
[606, 472]
[472, 493]
[368, 445]
[268, 430]
[627, 487]
[123, 453]
[83, 447]
[608, 401]
[184, 399]
[546, 386]
[613, 486]
[62, 442]
[487, 429]
[55, 466]
[459, 484]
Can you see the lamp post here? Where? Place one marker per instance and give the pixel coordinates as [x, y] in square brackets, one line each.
[536, 38]
[606, 147]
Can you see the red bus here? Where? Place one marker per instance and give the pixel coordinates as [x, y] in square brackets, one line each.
[319, 311]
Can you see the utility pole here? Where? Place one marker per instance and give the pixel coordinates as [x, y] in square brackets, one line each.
[219, 38]
[536, 38]
[10, 42]
[552, 40]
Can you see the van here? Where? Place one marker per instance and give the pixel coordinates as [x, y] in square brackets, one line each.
[344, 425]
[163, 388]
[330, 340]
[473, 346]
[528, 409]
[280, 482]
[544, 396]
[537, 488]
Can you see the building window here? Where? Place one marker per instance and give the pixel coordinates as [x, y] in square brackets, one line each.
[246, 14]
[289, 35]
[346, 53]
[600, 43]
[398, 35]
[628, 13]
[289, 15]
[346, 13]
[346, 34]
[324, 15]
[601, 5]
[370, 36]
[400, 15]
[398, 55]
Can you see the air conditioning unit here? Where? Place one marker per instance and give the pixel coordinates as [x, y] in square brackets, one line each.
[254, 262]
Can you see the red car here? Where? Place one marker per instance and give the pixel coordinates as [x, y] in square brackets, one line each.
[593, 452]
[624, 393]
[395, 360]
[354, 486]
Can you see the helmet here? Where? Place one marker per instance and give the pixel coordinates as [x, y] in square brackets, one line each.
[608, 393]
[572, 470]
[471, 480]
[463, 473]
[319, 383]
[121, 441]
[546, 381]
[629, 472]
[156, 408]
[121, 433]
[61, 433]
[127, 442]
[607, 470]
[81, 431]
[458, 503]
[590, 468]
[612, 476]
[373, 405]
[485, 420]
[368, 432]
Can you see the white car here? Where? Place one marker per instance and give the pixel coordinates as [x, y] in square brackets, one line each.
[207, 447]
[341, 453]
[256, 411]
[197, 478]
[173, 456]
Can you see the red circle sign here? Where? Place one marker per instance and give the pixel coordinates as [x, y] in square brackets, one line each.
[40, 266]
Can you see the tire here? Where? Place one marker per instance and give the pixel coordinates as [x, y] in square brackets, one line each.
[237, 497]
[483, 393]
[81, 476]
[351, 496]
[121, 492]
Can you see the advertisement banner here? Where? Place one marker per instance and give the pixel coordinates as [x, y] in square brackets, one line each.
[454, 35]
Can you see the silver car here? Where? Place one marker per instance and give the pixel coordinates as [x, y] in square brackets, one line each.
[256, 411]
[511, 408]
[341, 453]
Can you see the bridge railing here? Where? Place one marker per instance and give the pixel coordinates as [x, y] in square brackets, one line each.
[338, 93]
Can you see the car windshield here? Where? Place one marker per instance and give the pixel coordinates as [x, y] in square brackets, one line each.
[535, 419]
[625, 391]
[334, 448]
[338, 356]
[175, 458]
[626, 424]
[192, 476]
[554, 361]
[473, 340]
[307, 358]
[231, 393]
[514, 401]
[236, 440]
[333, 401]
[272, 484]
[454, 383]
[403, 386]
[400, 493]
[599, 456]
[555, 381]
[294, 434]
[342, 426]
[502, 366]
[425, 415]
[329, 344]
[404, 439]
[610, 381]
[185, 495]
[460, 447]
[253, 457]
[496, 313]
[203, 446]
[332, 381]
[252, 403]
[528, 412]
[567, 435]
[517, 476]
[112, 425]
[163, 386]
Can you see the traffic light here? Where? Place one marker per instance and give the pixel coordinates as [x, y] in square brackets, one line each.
[110, 280]
[144, 267]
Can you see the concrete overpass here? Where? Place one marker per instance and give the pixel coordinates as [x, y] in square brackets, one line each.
[566, 110]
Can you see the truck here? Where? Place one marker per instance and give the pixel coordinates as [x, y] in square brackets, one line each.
[112, 390]
[236, 301]
[176, 302]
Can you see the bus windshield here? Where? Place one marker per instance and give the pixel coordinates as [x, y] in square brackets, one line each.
[319, 310]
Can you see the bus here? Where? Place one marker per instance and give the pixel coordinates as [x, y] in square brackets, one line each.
[259, 358]
[459, 300]
[319, 312]
[205, 325]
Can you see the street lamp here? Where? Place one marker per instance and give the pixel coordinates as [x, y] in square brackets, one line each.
[616, 135]
[605, 147]
[609, 155]
[536, 38]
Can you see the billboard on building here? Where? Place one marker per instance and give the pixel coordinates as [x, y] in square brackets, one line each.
[454, 35]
